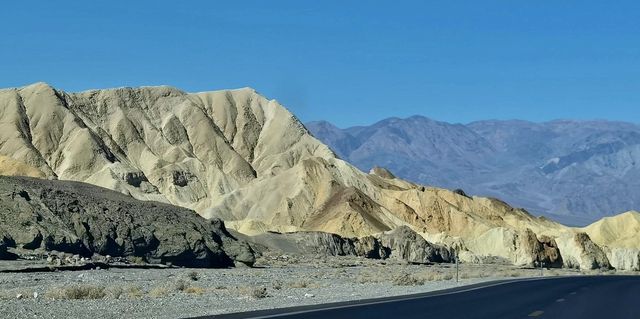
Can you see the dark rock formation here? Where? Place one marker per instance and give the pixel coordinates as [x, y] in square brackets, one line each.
[82, 219]
[543, 249]
[401, 243]
[407, 245]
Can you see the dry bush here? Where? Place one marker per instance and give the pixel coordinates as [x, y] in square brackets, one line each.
[299, 284]
[369, 277]
[405, 279]
[159, 292]
[78, 292]
[276, 285]
[133, 291]
[114, 292]
[195, 290]
[136, 260]
[253, 292]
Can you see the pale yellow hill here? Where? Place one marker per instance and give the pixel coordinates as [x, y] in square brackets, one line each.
[621, 231]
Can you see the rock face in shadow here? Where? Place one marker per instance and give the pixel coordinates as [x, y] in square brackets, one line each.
[543, 249]
[407, 245]
[82, 219]
[401, 243]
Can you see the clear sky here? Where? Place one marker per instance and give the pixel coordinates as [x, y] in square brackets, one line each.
[349, 62]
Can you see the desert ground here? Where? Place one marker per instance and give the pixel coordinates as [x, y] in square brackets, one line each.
[276, 281]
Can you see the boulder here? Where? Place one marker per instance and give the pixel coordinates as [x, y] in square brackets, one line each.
[83, 219]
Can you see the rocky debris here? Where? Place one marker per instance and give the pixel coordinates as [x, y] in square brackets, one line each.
[81, 220]
[407, 245]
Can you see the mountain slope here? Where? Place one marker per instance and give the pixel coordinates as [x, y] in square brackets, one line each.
[552, 168]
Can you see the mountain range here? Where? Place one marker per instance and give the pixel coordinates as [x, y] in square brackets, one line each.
[573, 171]
[243, 158]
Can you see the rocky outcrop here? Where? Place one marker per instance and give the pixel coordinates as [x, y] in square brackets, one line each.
[406, 244]
[78, 218]
[592, 255]
[542, 249]
[322, 243]
[401, 243]
[581, 252]
[382, 172]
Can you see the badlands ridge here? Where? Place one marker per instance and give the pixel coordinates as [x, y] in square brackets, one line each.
[240, 157]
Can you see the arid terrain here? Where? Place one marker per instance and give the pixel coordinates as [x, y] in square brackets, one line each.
[278, 281]
[106, 194]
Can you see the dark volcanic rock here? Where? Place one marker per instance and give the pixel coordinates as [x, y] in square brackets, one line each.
[83, 219]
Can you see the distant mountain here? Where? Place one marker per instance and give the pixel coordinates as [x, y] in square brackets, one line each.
[573, 171]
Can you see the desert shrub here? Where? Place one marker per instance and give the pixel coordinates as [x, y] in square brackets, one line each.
[137, 260]
[78, 292]
[114, 292]
[405, 279]
[299, 284]
[194, 290]
[159, 292]
[133, 291]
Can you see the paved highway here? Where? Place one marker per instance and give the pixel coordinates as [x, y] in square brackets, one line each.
[565, 297]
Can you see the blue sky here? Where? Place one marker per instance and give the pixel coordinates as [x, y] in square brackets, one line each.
[344, 61]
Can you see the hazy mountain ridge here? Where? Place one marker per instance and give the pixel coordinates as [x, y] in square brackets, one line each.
[551, 168]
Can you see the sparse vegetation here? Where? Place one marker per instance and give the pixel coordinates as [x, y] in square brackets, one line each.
[405, 279]
[76, 292]
[136, 260]
[159, 292]
[134, 291]
[300, 284]
[114, 292]
[195, 290]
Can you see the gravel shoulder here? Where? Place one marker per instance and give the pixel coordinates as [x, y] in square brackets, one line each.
[281, 281]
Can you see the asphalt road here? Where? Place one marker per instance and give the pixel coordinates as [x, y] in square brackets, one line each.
[581, 297]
